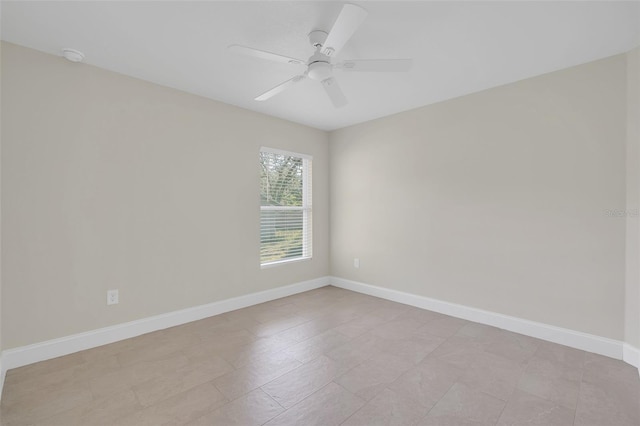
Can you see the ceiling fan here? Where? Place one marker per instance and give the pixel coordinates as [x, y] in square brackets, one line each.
[319, 65]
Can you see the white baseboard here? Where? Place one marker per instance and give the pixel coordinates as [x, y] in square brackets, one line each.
[575, 339]
[17, 357]
[3, 373]
[631, 355]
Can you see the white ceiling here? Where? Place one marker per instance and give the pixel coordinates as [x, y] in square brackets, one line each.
[457, 47]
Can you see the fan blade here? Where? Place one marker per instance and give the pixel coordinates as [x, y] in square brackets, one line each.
[249, 51]
[334, 91]
[280, 88]
[376, 65]
[347, 23]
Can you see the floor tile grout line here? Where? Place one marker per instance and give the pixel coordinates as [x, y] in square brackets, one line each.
[504, 407]
[564, 366]
[283, 330]
[284, 410]
[439, 399]
[303, 399]
[278, 351]
[305, 363]
[271, 397]
[575, 412]
[355, 412]
[513, 391]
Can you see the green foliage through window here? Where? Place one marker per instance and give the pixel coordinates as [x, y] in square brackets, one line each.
[285, 212]
[280, 180]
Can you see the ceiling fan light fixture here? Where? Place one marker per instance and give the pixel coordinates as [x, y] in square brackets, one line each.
[319, 70]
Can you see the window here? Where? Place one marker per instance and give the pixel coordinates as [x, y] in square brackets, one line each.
[285, 206]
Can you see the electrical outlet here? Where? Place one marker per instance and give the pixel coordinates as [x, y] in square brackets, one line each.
[356, 263]
[112, 297]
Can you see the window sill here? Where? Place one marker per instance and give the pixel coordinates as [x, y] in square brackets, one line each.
[284, 262]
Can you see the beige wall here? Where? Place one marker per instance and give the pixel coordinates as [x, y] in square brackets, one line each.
[494, 200]
[112, 182]
[1, 378]
[632, 298]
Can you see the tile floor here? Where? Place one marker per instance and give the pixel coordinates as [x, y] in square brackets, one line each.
[326, 357]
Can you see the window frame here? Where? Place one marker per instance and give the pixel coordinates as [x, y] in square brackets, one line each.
[306, 208]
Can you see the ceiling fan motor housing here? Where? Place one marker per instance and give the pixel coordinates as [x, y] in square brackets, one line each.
[317, 38]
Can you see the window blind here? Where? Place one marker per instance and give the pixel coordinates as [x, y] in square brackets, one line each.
[285, 206]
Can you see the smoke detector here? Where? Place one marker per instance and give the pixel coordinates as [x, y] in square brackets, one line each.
[72, 55]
